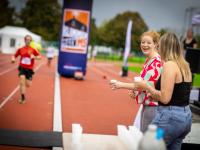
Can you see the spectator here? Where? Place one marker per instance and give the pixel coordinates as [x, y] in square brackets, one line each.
[172, 93]
[150, 73]
[189, 41]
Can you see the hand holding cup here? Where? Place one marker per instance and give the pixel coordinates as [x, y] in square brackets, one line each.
[140, 84]
[114, 84]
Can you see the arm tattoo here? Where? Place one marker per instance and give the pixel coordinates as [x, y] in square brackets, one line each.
[156, 95]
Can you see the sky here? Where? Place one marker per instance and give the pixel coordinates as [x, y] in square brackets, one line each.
[157, 14]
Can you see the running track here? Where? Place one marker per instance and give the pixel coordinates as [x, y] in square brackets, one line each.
[90, 103]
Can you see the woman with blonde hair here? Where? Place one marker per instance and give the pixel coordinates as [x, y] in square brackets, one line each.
[172, 92]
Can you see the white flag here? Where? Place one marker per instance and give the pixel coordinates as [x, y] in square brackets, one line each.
[128, 43]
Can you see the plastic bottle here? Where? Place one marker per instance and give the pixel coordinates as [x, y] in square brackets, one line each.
[152, 139]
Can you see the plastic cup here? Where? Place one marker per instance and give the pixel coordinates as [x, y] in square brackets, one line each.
[113, 81]
[76, 133]
[137, 79]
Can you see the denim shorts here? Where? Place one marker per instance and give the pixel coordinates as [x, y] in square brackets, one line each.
[176, 122]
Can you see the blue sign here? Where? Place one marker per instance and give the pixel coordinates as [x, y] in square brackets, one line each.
[74, 37]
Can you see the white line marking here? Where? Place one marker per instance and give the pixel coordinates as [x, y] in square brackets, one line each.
[57, 118]
[57, 115]
[5, 62]
[3, 59]
[8, 70]
[110, 70]
[38, 67]
[100, 71]
[9, 96]
[15, 90]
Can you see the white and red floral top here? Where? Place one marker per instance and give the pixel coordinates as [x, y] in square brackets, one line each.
[151, 72]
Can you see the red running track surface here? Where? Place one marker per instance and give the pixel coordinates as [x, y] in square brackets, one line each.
[90, 102]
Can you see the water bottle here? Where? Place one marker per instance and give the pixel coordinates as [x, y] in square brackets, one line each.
[152, 139]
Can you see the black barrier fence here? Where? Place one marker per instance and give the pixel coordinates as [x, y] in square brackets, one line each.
[34, 139]
[193, 57]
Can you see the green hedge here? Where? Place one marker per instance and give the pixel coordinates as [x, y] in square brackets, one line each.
[196, 81]
[135, 69]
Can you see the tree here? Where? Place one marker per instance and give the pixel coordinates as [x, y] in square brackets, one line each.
[162, 31]
[93, 33]
[113, 32]
[93, 36]
[42, 17]
[6, 13]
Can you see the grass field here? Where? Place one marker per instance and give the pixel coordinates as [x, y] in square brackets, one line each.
[137, 68]
[196, 81]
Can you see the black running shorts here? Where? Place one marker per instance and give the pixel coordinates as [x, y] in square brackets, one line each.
[27, 72]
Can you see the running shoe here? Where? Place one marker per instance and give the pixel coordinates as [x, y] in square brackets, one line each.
[22, 99]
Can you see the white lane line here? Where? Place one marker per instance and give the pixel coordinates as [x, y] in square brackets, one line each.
[104, 66]
[5, 62]
[38, 67]
[15, 90]
[8, 70]
[110, 70]
[115, 73]
[101, 72]
[57, 117]
[9, 96]
[3, 59]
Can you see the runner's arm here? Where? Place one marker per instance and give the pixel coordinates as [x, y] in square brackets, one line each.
[35, 55]
[38, 57]
[13, 59]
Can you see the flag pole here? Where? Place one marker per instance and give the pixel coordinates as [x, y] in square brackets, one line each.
[127, 50]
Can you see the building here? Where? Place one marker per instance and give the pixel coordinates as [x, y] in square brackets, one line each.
[12, 37]
[74, 23]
